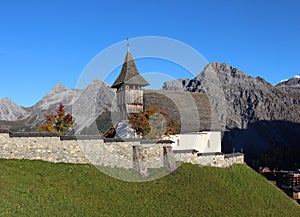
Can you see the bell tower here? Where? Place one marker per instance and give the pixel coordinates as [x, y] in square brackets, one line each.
[129, 86]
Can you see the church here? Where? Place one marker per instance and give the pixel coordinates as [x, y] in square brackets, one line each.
[197, 131]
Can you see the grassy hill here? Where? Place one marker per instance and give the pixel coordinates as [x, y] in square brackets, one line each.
[36, 188]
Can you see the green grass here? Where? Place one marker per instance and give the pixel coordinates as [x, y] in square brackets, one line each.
[36, 188]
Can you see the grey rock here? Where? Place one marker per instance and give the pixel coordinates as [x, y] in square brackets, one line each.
[9, 111]
[124, 130]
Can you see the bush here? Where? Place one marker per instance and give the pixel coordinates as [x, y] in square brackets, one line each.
[57, 123]
[153, 123]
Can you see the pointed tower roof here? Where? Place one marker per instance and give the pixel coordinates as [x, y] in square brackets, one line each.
[129, 73]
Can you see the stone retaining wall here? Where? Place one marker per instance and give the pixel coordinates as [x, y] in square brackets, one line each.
[40, 148]
[94, 150]
[56, 149]
[213, 160]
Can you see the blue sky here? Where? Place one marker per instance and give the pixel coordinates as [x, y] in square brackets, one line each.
[46, 42]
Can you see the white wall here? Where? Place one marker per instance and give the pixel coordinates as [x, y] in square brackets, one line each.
[204, 142]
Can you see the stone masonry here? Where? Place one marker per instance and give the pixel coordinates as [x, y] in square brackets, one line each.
[122, 154]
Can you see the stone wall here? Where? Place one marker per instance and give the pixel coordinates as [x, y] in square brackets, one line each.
[40, 148]
[124, 154]
[53, 148]
[212, 159]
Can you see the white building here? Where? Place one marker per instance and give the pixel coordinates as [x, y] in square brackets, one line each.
[203, 142]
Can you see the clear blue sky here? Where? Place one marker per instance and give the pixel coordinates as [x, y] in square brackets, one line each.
[46, 42]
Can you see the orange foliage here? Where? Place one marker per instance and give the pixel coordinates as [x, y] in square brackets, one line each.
[141, 122]
[57, 123]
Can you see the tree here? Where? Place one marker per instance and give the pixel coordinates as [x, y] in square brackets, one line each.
[153, 123]
[57, 123]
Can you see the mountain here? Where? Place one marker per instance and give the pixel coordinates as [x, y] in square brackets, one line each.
[239, 98]
[292, 82]
[257, 115]
[292, 88]
[50, 102]
[97, 98]
[10, 111]
[85, 105]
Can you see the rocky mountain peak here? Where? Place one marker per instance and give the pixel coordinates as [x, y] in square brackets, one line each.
[97, 83]
[96, 98]
[223, 71]
[10, 111]
[292, 82]
[217, 65]
[6, 100]
[59, 88]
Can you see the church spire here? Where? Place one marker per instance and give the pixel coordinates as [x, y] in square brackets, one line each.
[129, 73]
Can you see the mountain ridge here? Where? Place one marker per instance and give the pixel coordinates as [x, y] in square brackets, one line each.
[97, 95]
[247, 99]
[233, 80]
[236, 97]
[292, 82]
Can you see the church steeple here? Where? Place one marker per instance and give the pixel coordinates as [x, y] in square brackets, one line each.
[129, 86]
[129, 73]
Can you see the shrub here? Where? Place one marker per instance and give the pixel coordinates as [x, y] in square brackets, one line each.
[58, 123]
[153, 123]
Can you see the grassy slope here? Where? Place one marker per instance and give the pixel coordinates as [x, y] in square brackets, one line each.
[35, 188]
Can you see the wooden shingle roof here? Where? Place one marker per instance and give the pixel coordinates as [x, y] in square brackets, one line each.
[129, 74]
[192, 110]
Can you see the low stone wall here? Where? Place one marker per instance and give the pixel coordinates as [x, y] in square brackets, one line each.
[237, 158]
[50, 149]
[56, 149]
[212, 160]
[113, 153]
[123, 154]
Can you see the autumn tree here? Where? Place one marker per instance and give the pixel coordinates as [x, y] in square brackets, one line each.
[57, 123]
[153, 123]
